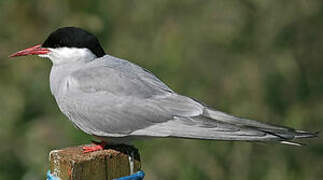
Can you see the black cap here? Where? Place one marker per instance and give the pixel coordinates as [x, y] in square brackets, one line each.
[74, 37]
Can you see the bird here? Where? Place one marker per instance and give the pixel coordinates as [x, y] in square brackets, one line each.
[117, 101]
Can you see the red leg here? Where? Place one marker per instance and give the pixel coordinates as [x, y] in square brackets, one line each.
[96, 147]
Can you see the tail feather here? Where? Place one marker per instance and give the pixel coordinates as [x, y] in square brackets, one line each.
[292, 143]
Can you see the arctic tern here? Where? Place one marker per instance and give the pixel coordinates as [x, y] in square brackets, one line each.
[116, 100]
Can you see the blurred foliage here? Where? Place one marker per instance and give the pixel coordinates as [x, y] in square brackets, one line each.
[257, 59]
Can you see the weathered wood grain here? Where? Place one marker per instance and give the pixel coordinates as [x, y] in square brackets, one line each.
[113, 162]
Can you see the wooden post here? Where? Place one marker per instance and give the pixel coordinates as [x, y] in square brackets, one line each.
[113, 162]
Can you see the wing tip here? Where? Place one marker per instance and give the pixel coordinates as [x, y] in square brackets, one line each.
[301, 134]
[306, 134]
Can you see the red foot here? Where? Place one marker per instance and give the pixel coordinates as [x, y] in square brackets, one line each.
[96, 147]
[69, 172]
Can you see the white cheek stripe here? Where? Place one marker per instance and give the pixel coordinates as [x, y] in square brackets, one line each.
[67, 55]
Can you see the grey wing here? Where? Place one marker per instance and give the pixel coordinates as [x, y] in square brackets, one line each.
[120, 77]
[114, 97]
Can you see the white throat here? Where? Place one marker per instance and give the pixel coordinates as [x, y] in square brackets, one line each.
[65, 55]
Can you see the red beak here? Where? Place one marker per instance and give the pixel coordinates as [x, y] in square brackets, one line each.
[35, 50]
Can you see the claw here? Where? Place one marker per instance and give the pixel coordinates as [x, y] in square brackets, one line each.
[96, 147]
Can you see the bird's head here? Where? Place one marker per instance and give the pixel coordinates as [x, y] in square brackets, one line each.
[65, 45]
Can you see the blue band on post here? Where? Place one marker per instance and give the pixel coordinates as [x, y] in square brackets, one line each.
[136, 176]
[51, 177]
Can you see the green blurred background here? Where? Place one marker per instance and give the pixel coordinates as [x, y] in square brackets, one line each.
[259, 59]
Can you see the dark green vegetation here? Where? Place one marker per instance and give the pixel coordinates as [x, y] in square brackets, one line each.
[255, 59]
